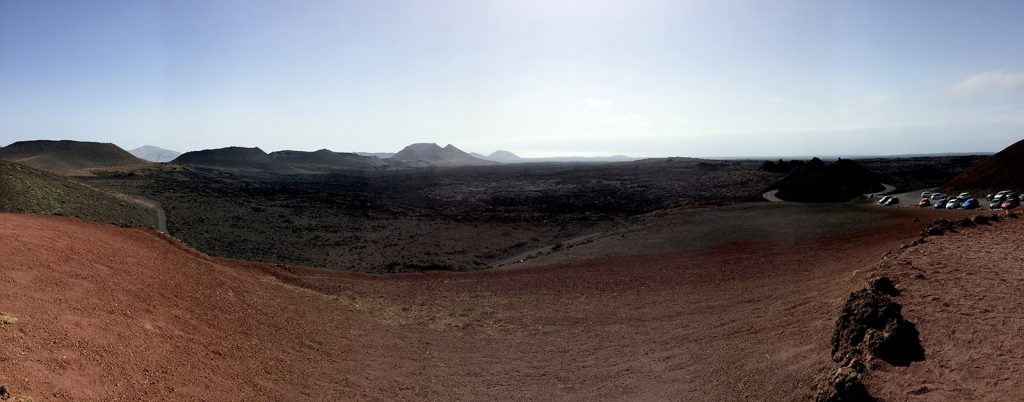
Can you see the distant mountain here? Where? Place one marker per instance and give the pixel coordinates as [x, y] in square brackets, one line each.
[280, 161]
[328, 160]
[508, 157]
[233, 158]
[382, 155]
[68, 157]
[154, 154]
[504, 156]
[1001, 171]
[429, 154]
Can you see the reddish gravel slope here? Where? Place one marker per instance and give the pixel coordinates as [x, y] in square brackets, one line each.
[106, 312]
[964, 292]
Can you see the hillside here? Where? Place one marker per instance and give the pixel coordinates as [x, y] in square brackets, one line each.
[328, 160]
[429, 154]
[962, 291]
[154, 154]
[106, 313]
[68, 157]
[818, 181]
[25, 190]
[1001, 171]
[234, 158]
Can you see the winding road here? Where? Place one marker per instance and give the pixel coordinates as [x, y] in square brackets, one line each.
[771, 195]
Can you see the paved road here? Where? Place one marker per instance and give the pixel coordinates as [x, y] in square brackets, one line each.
[770, 196]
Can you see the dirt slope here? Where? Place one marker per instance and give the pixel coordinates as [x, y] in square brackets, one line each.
[963, 292]
[105, 312]
[68, 157]
[23, 189]
[997, 172]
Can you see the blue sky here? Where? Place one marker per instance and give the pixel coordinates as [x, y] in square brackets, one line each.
[537, 77]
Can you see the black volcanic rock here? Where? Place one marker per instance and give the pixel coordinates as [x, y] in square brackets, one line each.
[997, 172]
[817, 181]
[65, 156]
[328, 160]
[233, 158]
[429, 154]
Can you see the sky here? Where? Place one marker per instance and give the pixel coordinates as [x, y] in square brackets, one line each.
[535, 77]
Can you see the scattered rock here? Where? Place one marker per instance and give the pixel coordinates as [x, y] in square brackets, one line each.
[843, 385]
[920, 276]
[4, 394]
[871, 323]
[980, 220]
[938, 228]
[884, 285]
[966, 223]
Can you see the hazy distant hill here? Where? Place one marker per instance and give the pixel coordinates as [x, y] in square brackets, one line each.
[328, 160]
[155, 154]
[68, 156]
[280, 161]
[26, 190]
[429, 154]
[234, 158]
[1001, 171]
[509, 157]
[382, 155]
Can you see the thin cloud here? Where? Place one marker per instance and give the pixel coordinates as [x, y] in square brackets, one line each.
[599, 104]
[989, 82]
[879, 100]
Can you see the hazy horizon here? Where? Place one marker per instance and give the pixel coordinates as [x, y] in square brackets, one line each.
[537, 78]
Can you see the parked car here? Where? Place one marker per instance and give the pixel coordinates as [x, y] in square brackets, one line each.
[1002, 195]
[970, 203]
[995, 204]
[924, 202]
[892, 201]
[927, 194]
[1011, 203]
[953, 204]
[938, 196]
[964, 196]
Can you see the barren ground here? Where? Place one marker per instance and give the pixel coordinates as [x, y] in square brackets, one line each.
[966, 305]
[106, 312]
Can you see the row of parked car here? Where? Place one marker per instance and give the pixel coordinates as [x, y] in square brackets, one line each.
[1005, 199]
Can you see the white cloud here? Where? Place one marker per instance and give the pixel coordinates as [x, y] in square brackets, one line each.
[599, 104]
[629, 120]
[879, 100]
[989, 82]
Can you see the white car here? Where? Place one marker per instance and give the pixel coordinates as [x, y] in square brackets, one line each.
[964, 196]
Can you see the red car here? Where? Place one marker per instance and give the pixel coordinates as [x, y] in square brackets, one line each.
[924, 202]
[1011, 203]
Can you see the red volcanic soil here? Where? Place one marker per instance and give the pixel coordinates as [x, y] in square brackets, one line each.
[995, 173]
[963, 291]
[105, 312]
